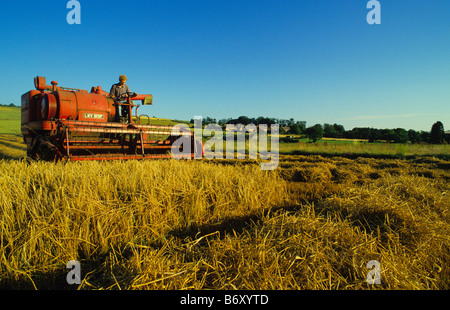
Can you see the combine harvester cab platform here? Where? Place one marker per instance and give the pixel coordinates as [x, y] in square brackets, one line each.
[70, 124]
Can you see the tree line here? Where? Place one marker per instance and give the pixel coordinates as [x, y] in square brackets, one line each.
[316, 132]
[398, 135]
[11, 105]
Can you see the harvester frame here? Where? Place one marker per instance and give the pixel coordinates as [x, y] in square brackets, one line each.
[68, 124]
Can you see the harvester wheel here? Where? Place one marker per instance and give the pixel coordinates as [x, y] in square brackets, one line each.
[43, 149]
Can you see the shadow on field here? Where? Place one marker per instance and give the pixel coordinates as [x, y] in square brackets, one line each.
[12, 147]
[4, 156]
[38, 281]
[231, 225]
[92, 269]
[227, 226]
[381, 222]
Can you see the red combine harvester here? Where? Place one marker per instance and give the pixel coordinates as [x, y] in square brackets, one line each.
[60, 123]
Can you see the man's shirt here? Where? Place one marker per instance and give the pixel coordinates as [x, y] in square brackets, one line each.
[117, 91]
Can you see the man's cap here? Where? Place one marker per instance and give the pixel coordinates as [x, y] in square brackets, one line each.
[122, 78]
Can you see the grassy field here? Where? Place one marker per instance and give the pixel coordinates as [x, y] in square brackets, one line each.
[364, 149]
[161, 121]
[9, 120]
[313, 223]
[354, 149]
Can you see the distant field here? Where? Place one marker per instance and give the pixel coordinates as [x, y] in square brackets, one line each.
[11, 142]
[9, 120]
[356, 148]
[161, 121]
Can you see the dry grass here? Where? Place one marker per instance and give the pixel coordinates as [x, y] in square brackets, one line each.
[313, 223]
[51, 213]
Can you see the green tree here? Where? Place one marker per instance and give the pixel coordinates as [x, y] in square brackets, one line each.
[400, 135]
[244, 120]
[360, 133]
[302, 125]
[340, 130]
[414, 136]
[437, 134]
[315, 132]
[209, 120]
[295, 129]
[425, 136]
[329, 131]
[387, 134]
[375, 135]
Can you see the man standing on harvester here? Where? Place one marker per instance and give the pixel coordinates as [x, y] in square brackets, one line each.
[119, 92]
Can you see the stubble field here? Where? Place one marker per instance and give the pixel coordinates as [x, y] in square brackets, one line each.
[313, 223]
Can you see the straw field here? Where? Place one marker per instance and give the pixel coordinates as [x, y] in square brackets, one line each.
[313, 223]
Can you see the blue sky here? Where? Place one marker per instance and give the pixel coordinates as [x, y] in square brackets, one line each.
[312, 60]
